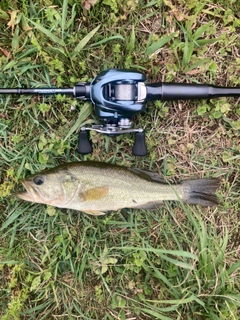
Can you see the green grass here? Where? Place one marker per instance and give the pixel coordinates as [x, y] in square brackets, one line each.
[177, 262]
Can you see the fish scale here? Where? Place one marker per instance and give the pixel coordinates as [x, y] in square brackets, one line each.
[126, 189]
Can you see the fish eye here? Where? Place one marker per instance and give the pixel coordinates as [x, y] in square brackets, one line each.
[38, 180]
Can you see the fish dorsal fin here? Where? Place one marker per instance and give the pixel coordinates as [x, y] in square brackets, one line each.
[94, 194]
[148, 175]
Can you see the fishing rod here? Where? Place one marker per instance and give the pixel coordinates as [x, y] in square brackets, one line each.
[118, 95]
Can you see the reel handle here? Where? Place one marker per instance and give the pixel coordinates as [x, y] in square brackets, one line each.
[84, 144]
[139, 147]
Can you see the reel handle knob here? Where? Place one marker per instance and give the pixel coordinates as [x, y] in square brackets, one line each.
[84, 144]
[139, 147]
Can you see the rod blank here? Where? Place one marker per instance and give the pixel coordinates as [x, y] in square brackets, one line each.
[178, 91]
[44, 91]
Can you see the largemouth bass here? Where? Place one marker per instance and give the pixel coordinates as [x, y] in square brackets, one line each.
[96, 187]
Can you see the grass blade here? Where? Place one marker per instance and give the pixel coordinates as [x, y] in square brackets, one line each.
[85, 40]
[177, 253]
[151, 269]
[106, 40]
[4, 15]
[179, 301]
[197, 64]
[86, 110]
[233, 268]
[48, 33]
[201, 30]
[131, 44]
[203, 42]
[159, 44]
[187, 52]
[64, 16]
[177, 262]
[12, 216]
[155, 314]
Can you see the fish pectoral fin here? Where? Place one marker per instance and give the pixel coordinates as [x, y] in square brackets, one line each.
[94, 212]
[150, 205]
[93, 194]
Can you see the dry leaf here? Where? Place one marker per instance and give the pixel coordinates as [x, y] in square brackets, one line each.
[5, 52]
[179, 15]
[12, 22]
[89, 3]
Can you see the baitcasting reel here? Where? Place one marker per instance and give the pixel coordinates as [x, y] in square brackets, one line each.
[118, 95]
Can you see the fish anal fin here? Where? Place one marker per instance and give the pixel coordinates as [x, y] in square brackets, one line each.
[94, 212]
[94, 194]
[150, 205]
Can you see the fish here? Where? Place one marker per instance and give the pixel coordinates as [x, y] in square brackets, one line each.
[96, 187]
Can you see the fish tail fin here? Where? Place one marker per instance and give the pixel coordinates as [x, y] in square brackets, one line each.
[201, 191]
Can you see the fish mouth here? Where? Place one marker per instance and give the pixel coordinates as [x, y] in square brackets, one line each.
[28, 194]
